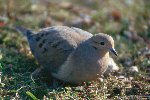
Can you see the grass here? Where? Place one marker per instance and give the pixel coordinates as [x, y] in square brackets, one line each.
[127, 22]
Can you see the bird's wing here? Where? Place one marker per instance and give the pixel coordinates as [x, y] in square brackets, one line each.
[51, 46]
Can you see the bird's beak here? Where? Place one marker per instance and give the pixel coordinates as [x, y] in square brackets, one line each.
[113, 51]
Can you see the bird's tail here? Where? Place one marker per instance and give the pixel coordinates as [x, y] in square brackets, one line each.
[26, 32]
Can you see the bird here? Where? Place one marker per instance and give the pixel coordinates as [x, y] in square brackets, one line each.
[70, 54]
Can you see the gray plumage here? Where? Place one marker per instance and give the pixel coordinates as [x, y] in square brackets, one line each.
[70, 54]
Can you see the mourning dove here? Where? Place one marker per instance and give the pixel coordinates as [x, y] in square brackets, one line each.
[70, 54]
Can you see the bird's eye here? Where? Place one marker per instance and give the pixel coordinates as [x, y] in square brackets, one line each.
[102, 43]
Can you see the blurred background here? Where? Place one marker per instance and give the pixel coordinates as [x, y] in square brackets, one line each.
[128, 21]
[95, 15]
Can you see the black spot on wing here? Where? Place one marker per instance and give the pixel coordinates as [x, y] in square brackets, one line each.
[46, 33]
[37, 39]
[49, 42]
[56, 44]
[42, 34]
[44, 50]
[43, 41]
[61, 45]
[40, 45]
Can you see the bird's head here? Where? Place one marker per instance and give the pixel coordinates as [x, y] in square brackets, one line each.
[103, 42]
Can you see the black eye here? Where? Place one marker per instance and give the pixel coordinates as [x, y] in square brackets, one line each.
[102, 43]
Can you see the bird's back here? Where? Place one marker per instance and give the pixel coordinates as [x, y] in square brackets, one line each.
[51, 46]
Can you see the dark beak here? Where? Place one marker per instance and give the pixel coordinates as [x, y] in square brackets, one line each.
[113, 51]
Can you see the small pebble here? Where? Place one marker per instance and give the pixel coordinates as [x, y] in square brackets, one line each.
[133, 69]
[121, 77]
[101, 79]
[130, 78]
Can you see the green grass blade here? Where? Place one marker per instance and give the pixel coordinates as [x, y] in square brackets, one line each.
[31, 95]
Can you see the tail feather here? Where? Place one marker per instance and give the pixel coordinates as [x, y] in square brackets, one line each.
[28, 33]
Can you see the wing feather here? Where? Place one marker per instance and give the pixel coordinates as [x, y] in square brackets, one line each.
[52, 46]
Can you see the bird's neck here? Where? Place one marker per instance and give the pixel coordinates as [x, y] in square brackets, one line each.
[103, 53]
